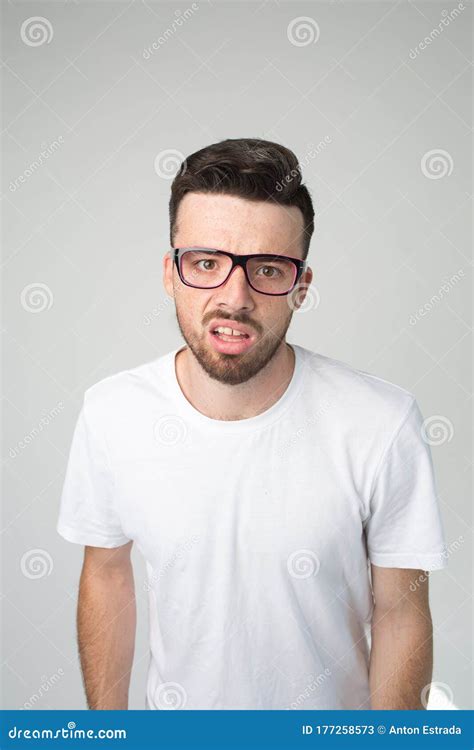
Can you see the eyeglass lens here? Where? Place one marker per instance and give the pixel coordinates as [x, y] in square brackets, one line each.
[269, 275]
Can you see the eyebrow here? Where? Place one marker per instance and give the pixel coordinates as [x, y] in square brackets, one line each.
[222, 250]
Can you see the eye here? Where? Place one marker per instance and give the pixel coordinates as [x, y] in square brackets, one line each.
[270, 272]
[207, 264]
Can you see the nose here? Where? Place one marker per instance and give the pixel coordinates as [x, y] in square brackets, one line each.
[235, 293]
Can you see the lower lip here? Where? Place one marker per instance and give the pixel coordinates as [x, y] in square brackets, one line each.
[238, 346]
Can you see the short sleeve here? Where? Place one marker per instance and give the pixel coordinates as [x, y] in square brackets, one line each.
[404, 528]
[87, 514]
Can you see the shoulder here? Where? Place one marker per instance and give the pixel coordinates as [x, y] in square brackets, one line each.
[362, 395]
[125, 388]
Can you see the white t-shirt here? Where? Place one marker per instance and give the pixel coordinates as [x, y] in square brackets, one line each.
[257, 533]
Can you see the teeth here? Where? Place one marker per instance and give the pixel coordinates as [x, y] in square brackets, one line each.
[228, 331]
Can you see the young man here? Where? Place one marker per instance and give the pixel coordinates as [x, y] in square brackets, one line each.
[284, 501]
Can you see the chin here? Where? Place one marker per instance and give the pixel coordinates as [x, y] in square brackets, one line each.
[235, 369]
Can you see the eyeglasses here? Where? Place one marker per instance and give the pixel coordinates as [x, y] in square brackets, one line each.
[204, 268]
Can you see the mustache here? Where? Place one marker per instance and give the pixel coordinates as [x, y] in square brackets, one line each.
[244, 319]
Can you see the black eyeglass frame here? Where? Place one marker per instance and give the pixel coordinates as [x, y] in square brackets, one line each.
[240, 260]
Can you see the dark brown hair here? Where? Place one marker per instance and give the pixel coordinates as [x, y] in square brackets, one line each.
[247, 168]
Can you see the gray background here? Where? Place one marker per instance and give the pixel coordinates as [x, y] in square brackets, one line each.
[85, 229]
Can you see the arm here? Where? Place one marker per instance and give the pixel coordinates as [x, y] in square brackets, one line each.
[401, 659]
[106, 622]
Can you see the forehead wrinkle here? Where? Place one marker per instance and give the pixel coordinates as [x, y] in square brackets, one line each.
[240, 240]
[236, 227]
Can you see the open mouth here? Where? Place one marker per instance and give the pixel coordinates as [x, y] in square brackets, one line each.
[229, 334]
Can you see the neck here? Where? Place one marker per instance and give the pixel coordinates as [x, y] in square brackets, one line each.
[232, 402]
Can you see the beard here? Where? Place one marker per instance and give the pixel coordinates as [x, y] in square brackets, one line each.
[234, 369]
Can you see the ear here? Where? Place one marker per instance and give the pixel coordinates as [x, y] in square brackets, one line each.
[301, 289]
[168, 273]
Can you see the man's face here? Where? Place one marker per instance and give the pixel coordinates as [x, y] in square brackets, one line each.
[224, 222]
